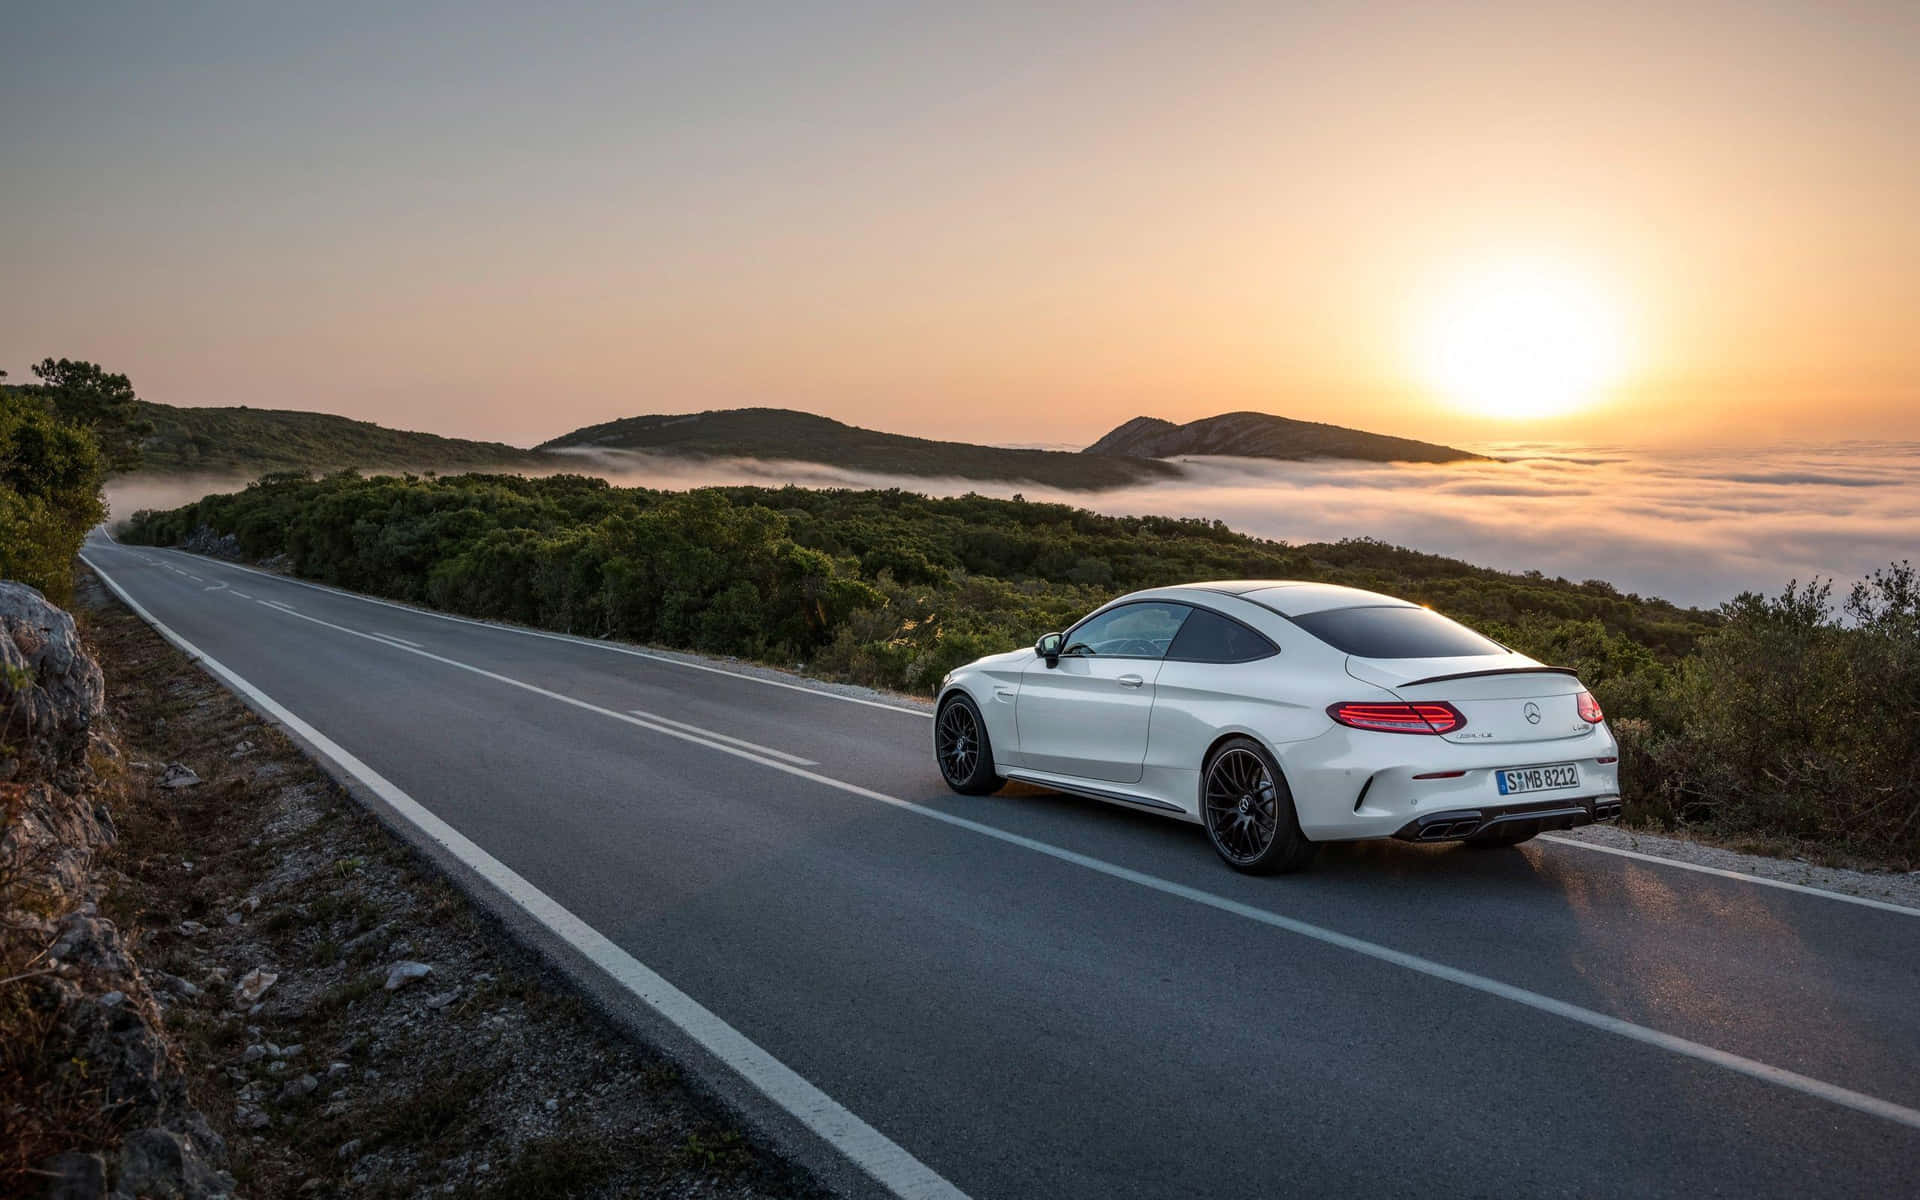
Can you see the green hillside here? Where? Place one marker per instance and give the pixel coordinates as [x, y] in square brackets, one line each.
[1263, 435]
[780, 433]
[257, 440]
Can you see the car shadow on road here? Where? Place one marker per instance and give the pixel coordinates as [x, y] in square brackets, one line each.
[1119, 833]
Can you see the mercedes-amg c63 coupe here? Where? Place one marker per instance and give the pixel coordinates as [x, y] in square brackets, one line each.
[1280, 715]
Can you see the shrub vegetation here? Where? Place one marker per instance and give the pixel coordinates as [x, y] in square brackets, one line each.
[256, 440]
[50, 474]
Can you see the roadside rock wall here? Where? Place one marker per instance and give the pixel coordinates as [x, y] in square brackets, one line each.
[51, 690]
[83, 1060]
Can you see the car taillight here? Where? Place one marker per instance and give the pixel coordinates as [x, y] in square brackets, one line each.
[1590, 709]
[1432, 716]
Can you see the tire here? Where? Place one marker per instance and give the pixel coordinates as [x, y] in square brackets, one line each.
[962, 748]
[1248, 811]
[1502, 836]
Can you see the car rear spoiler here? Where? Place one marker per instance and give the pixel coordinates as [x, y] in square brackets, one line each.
[1495, 671]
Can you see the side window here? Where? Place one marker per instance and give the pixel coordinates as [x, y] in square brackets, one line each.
[1208, 637]
[1143, 630]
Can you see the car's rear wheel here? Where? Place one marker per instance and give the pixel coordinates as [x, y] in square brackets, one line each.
[962, 748]
[1248, 810]
[1511, 833]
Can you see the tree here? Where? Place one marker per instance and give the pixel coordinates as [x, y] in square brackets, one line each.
[81, 393]
[49, 494]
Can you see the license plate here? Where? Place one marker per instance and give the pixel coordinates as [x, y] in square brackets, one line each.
[1537, 779]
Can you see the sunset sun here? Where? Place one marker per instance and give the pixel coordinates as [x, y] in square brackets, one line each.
[1523, 340]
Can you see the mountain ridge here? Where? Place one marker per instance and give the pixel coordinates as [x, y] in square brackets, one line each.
[190, 440]
[1248, 434]
[785, 433]
[186, 440]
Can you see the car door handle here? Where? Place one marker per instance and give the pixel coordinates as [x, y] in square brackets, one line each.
[1130, 681]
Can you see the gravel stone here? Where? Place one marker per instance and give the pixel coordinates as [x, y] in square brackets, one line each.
[252, 986]
[402, 973]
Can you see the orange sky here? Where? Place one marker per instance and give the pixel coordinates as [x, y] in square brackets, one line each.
[992, 224]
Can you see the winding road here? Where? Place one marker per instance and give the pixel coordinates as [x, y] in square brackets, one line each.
[1030, 995]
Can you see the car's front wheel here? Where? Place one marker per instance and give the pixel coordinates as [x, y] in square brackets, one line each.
[1249, 810]
[962, 748]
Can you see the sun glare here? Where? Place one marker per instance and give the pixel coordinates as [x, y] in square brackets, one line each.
[1523, 340]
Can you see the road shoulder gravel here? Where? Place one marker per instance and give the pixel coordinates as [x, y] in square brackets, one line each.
[1889, 887]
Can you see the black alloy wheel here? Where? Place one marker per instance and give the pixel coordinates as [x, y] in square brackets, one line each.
[1249, 811]
[963, 750]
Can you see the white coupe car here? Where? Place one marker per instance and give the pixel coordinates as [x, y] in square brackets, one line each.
[1280, 715]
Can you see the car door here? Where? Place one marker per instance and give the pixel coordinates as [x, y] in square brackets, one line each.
[1087, 715]
[1218, 675]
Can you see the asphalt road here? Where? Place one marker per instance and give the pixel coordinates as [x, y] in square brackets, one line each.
[1139, 1021]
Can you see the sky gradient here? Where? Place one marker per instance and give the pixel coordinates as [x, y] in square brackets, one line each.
[981, 221]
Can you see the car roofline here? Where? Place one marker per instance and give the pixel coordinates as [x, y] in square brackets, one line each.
[1331, 595]
[1244, 589]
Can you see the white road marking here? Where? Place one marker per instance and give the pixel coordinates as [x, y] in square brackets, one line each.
[1646, 1035]
[241, 594]
[627, 650]
[193, 577]
[766, 750]
[387, 637]
[612, 647]
[643, 721]
[1742, 876]
[218, 587]
[869, 1149]
[282, 606]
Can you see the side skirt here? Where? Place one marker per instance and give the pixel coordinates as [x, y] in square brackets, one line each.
[1080, 787]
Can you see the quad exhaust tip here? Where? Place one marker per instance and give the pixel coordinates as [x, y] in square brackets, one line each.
[1448, 830]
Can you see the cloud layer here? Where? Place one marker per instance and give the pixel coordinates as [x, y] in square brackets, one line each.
[1695, 527]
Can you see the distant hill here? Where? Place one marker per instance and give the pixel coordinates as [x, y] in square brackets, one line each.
[780, 433]
[1261, 435]
[258, 440]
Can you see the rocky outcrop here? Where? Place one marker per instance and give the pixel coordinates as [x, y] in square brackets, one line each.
[50, 703]
[73, 982]
[151, 1163]
[214, 545]
[50, 688]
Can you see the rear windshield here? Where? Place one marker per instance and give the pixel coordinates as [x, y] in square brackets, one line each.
[1395, 633]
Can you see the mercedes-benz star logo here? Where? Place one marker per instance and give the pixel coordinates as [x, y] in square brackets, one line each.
[1533, 713]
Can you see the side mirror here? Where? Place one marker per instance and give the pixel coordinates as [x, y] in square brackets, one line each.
[1048, 647]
